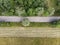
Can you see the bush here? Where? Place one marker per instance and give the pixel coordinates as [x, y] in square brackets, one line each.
[54, 23]
[58, 3]
[58, 23]
[25, 22]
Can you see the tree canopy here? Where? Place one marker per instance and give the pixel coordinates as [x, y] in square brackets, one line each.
[25, 8]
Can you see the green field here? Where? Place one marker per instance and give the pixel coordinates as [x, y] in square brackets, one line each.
[29, 41]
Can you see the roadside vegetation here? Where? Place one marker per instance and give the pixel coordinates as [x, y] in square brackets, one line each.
[57, 8]
[55, 23]
[25, 22]
[52, 24]
[27, 7]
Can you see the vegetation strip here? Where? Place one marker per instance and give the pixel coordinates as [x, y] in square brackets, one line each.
[27, 7]
[29, 32]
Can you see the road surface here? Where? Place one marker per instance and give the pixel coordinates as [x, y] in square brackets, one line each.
[31, 19]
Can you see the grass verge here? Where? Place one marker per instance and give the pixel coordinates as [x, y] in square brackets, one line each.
[32, 24]
[16, 24]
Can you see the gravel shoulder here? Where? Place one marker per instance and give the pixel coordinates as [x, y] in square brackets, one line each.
[29, 32]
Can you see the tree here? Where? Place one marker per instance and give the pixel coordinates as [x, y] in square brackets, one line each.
[27, 7]
[32, 7]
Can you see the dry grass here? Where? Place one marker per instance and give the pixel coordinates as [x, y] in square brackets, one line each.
[29, 41]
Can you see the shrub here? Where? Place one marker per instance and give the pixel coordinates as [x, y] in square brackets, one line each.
[25, 22]
[58, 23]
[53, 23]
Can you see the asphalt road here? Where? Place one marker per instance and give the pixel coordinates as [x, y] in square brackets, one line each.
[29, 32]
[31, 19]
